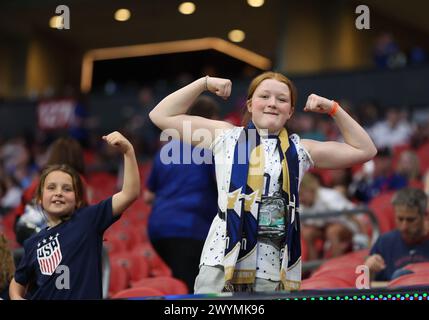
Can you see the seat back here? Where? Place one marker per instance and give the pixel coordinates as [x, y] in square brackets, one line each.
[139, 292]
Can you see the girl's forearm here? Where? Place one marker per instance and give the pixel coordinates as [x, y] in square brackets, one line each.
[178, 102]
[131, 183]
[353, 133]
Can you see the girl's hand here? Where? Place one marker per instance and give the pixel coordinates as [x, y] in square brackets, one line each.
[318, 104]
[219, 86]
[117, 140]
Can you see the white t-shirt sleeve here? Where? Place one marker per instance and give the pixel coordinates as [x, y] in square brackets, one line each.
[304, 159]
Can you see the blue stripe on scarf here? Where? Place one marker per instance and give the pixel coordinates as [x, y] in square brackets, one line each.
[293, 231]
[247, 223]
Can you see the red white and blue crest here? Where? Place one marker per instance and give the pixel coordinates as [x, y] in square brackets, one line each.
[49, 254]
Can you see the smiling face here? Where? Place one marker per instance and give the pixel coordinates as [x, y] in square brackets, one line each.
[271, 105]
[58, 194]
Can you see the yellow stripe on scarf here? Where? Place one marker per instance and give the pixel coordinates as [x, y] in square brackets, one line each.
[255, 178]
[284, 143]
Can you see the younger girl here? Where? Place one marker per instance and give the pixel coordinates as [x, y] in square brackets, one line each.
[254, 241]
[63, 261]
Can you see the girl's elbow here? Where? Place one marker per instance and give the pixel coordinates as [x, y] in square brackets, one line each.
[152, 116]
[373, 152]
[135, 195]
[370, 153]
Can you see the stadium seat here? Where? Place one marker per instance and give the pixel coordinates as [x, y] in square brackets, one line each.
[347, 274]
[383, 210]
[423, 154]
[324, 283]
[114, 245]
[137, 266]
[144, 169]
[128, 235]
[168, 285]
[350, 260]
[397, 150]
[102, 182]
[157, 266]
[118, 279]
[410, 280]
[137, 292]
[418, 267]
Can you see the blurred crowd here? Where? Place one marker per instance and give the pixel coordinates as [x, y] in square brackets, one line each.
[401, 136]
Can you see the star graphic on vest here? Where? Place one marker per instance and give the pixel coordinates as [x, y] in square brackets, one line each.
[44, 241]
[50, 238]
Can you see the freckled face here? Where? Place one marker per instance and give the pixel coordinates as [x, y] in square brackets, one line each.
[270, 105]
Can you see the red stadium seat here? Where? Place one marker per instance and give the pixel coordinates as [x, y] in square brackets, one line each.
[137, 293]
[119, 278]
[410, 280]
[383, 210]
[418, 267]
[168, 285]
[324, 283]
[158, 267]
[145, 169]
[130, 236]
[350, 260]
[137, 266]
[102, 183]
[114, 245]
[423, 154]
[397, 150]
[347, 274]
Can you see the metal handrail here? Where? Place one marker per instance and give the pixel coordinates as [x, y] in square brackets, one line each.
[311, 265]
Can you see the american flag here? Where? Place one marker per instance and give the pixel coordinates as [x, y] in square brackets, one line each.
[49, 254]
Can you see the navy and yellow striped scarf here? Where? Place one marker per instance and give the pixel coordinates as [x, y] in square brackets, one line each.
[244, 199]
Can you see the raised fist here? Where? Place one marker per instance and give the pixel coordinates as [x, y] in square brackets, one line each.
[219, 86]
[318, 104]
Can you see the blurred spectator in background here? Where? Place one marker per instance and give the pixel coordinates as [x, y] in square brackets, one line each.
[387, 53]
[408, 169]
[184, 198]
[148, 131]
[417, 55]
[368, 114]
[7, 268]
[10, 192]
[16, 160]
[408, 244]
[309, 128]
[235, 115]
[336, 232]
[340, 180]
[78, 127]
[393, 131]
[375, 177]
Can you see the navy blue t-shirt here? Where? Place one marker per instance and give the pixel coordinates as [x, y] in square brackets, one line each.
[67, 255]
[186, 193]
[397, 254]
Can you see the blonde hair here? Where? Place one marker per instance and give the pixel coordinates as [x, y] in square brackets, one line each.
[7, 265]
[258, 80]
